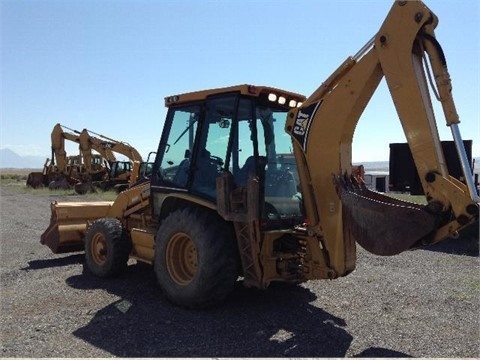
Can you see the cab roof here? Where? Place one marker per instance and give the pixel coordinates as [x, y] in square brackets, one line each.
[250, 90]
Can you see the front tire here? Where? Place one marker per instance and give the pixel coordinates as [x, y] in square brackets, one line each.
[107, 247]
[196, 259]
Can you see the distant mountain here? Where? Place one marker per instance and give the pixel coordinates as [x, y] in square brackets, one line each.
[10, 159]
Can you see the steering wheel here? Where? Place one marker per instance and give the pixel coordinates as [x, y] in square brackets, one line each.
[216, 160]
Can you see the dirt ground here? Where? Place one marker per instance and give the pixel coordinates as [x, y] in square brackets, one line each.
[418, 304]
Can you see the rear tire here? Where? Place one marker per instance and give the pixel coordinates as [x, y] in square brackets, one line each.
[196, 258]
[61, 184]
[107, 247]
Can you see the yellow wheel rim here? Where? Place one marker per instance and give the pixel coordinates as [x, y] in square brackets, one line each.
[98, 249]
[181, 258]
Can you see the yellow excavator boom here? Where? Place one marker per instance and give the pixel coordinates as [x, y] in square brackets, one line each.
[119, 147]
[86, 147]
[59, 155]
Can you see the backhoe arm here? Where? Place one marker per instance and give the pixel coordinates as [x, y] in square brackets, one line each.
[340, 210]
[127, 150]
[89, 143]
[86, 150]
[119, 147]
[59, 155]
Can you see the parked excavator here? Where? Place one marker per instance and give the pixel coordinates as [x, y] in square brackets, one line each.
[119, 172]
[87, 171]
[122, 174]
[62, 171]
[223, 202]
[140, 174]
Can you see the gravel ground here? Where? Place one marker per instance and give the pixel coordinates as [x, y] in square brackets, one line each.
[418, 304]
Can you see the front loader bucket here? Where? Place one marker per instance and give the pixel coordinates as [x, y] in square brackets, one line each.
[68, 224]
[380, 224]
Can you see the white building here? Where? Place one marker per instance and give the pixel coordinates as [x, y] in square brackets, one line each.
[377, 180]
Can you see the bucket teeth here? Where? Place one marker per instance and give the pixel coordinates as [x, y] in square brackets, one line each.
[380, 224]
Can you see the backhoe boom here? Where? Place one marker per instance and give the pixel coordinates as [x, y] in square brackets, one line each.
[328, 119]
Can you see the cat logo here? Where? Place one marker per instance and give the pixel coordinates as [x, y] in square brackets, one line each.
[302, 123]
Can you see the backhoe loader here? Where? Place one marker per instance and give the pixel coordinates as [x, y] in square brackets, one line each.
[228, 199]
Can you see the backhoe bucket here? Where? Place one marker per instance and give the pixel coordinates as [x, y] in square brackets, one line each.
[36, 179]
[68, 224]
[380, 224]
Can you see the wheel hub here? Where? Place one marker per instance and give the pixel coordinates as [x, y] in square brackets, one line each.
[99, 248]
[182, 261]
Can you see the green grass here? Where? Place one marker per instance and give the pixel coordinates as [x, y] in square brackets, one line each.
[15, 180]
[8, 178]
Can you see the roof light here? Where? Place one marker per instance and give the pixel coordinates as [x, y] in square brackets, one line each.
[272, 97]
[299, 104]
[172, 99]
[292, 103]
[282, 100]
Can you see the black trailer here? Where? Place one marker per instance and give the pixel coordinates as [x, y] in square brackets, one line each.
[404, 176]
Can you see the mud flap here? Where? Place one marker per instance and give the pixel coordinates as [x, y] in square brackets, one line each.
[380, 224]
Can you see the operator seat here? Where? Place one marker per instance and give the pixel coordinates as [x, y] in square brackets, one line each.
[248, 169]
[181, 176]
[282, 184]
[207, 169]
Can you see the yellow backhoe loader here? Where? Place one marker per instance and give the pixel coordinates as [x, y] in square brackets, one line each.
[225, 201]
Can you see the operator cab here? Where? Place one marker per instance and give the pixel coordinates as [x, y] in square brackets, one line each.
[119, 168]
[239, 131]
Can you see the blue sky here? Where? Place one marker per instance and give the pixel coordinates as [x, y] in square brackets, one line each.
[106, 65]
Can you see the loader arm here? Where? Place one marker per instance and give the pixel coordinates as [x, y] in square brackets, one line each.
[340, 209]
